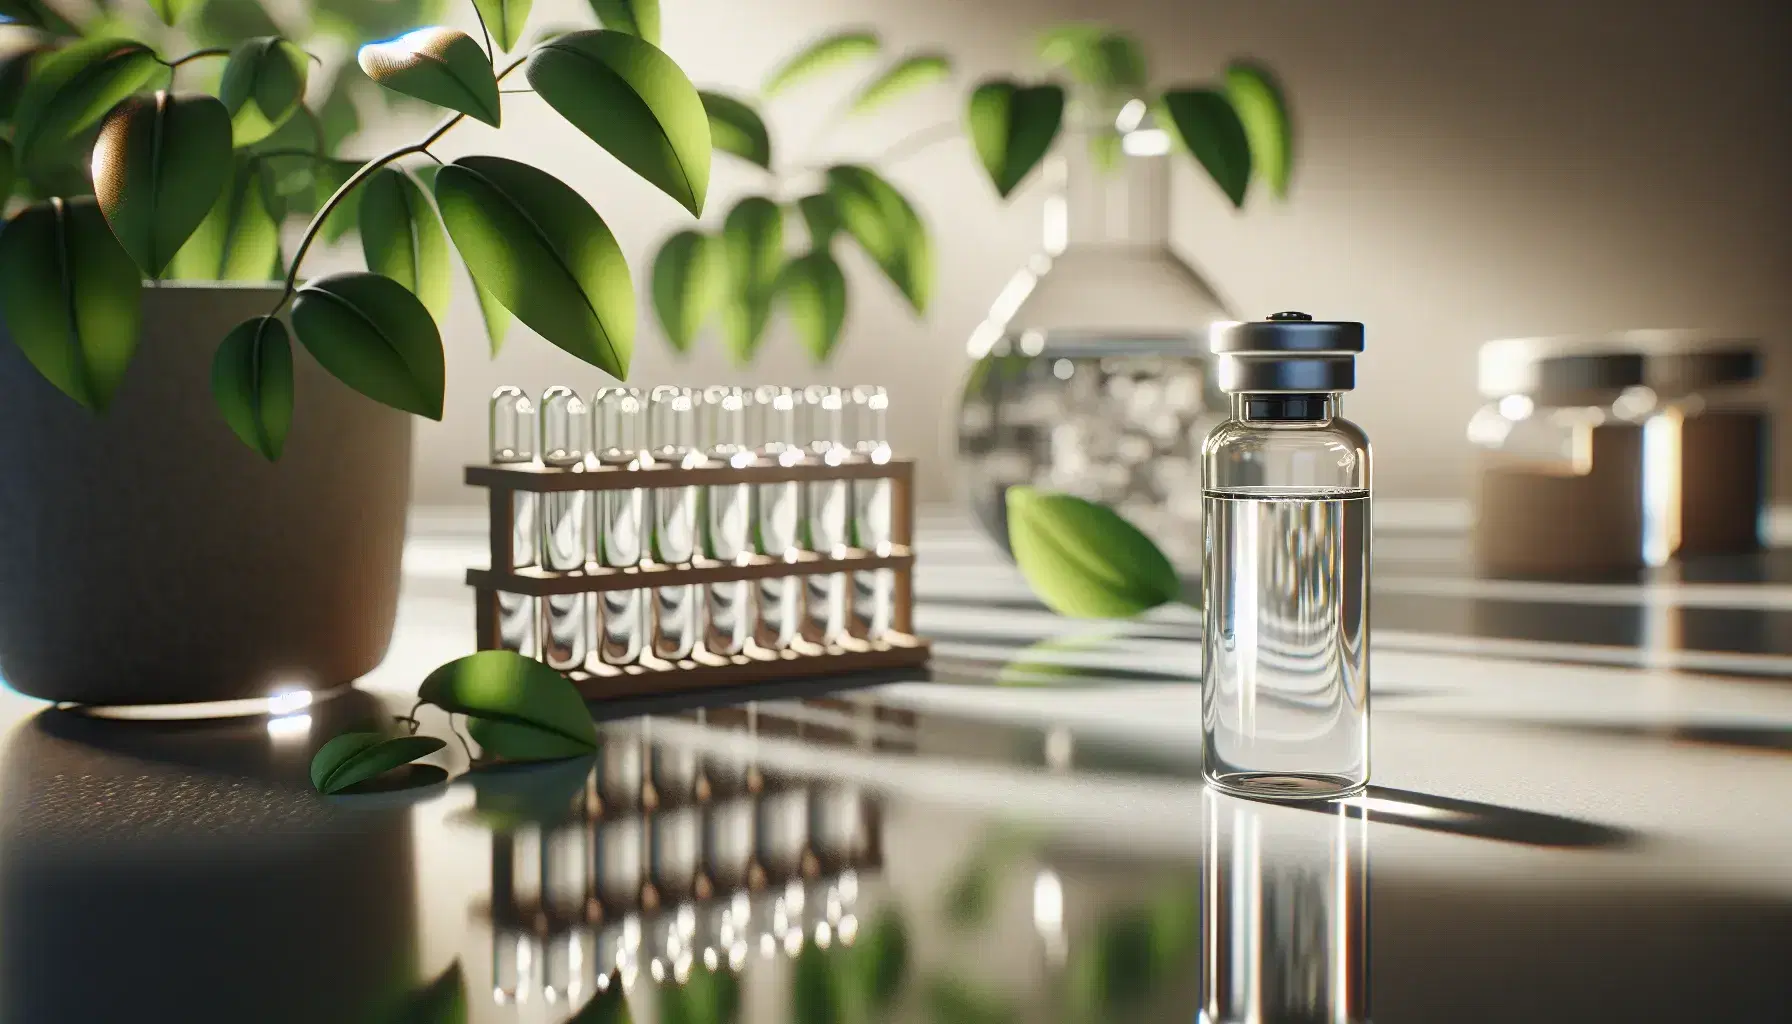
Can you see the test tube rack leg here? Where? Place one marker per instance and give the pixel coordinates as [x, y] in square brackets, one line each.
[899, 649]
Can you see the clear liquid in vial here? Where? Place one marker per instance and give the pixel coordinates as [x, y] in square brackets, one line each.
[826, 620]
[779, 604]
[518, 613]
[874, 590]
[674, 543]
[1285, 695]
[563, 637]
[623, 629]
[728, 530]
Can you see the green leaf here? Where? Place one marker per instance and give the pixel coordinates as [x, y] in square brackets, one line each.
[239, 239]
[735, 127]
[263, 85]
[1084, 560]
[1257, 99]
[953, 1001]
[911, 73]
[504, 686]
[504, 19]
[609, 1006]
[171, 11]
[1106, 148]
[442, 1001]
[227, 22]
[355, 757]
[1012, 127]
[824, 54]
[36, 14]
[544, 253]
[15, 71]
[881, 960]
[159, 166]
[706, 997]
[72, 89]
[401, 237]
[1109, 62]
[372, 334]
[497, 318]
[632, 100]
[71, 297]
[513, 742]
[8, 171]
[345, 216]
[338, 117]
[689, 276]
[887, 228]
[252, 384]
[814, 292]
[443, 66]
[753, 254]
[636, 17]
[822, 217]
[1205, 123]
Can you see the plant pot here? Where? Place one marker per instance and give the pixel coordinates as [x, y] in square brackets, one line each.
[149, 557]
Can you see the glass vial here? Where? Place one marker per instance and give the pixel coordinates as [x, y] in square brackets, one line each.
[873, 591]
[777, 513]
[727, 520]
[622, 625]
[1285, 680]
[672, 435]
[1284, 912]
[513, 443]
[565, 432]
[825, 512]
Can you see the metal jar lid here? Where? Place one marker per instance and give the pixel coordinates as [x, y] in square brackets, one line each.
[1290, 353]
[1589, 368]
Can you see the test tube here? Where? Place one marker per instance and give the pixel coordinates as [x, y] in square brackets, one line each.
[565, 431]
[874, 590]
[513, 443]
[727, 519]
[776, 516]
[672, 434]
[825, 513]
[623, 623]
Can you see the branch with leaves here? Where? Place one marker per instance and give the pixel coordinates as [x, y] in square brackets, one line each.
[184, 185]
[1096, 79]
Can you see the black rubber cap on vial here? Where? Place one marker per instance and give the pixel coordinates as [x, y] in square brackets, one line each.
[1287, 332]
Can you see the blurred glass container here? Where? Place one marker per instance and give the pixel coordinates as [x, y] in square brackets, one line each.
[1615, 452]
[1091, 373]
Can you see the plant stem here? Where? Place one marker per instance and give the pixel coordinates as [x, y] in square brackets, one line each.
[367, 171]
[212, 51]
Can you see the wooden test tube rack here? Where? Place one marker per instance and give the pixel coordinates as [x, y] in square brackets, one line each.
[898, 649]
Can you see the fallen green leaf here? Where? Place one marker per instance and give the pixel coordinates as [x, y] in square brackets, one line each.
[1257, 99]
[505, 686]
[252, 384]
[443, 66]
[1205, 123]
[72, 89]
[159, 165]
[504, 19]
[907, 75]
[512, 741]
[372, 334]
[735, 127]
[71, 297]
[1013, 127]
[263, 85]
[508, 797]
[813, 290]
[355, 757]
[1084, 560]
[636, 17]
[239, 239]
[886, 226]
[824, 54]
[688, 280]
[401, 237]
[634, 101]
[542, 252]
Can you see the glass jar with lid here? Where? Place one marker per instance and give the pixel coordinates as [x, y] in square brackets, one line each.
[1615, 452]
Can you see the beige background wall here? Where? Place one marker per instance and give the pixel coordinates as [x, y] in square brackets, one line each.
[1467, 170]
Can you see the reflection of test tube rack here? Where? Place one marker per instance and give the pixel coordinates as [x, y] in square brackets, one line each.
[672, 859]
[868, 593]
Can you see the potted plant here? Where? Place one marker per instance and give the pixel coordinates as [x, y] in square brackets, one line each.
[194, 511]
